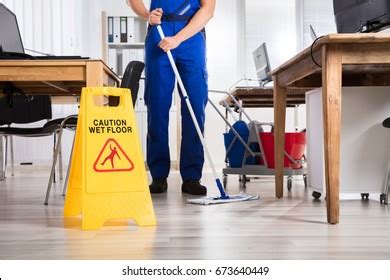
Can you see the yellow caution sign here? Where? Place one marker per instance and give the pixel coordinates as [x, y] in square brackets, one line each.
[107, 177]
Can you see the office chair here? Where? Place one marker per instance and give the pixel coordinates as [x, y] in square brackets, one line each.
[19, 109]
[384, 198]
[130, 80]
[70, 123]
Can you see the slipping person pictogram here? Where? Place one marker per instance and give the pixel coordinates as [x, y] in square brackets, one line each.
[111, 157]
[116, 155]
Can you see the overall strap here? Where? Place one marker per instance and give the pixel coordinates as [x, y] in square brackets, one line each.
[179, 13]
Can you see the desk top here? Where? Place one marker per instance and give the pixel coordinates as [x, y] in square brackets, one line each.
[335, 39]
[54, 77]
[361, 66]
[257, 97]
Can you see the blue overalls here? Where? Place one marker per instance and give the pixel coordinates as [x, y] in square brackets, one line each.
[190, 58]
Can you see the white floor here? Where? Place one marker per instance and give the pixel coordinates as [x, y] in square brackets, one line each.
[291, 228]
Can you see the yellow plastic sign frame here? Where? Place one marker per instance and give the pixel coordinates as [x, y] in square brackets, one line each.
[107, 177]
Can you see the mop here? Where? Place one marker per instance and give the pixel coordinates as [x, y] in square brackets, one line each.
[224, 197]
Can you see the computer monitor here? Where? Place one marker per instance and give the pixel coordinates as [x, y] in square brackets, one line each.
[263, 66]
[361, 15]
[10, 39]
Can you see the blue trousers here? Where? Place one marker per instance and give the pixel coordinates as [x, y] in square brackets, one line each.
[190, 58]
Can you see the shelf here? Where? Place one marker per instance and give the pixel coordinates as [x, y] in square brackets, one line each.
[126, 45]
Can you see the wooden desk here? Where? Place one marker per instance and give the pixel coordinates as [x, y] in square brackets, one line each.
[257, 97]
[54, 77]
[346, 60]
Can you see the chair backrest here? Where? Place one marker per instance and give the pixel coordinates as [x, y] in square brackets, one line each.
[131, 78]
[19, 109]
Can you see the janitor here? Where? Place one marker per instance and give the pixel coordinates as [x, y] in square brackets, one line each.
[183, 22]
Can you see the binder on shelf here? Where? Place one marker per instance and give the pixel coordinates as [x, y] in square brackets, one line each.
[110, 28]
[123, 29]
[126, 59]
[117, 30]
[119, 62]
[130, 29]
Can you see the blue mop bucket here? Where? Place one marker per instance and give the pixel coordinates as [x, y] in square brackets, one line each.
[237, 151]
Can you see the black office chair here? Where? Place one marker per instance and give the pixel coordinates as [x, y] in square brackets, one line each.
[132, 77]
[130, 80]
[70, 123]
[19, 109]
[384, 198]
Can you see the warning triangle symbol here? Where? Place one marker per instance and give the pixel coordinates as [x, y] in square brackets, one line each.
[113, 158]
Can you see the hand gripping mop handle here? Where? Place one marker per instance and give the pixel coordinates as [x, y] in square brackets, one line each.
[188, 103]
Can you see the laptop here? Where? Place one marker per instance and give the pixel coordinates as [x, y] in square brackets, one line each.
[11, 44]
[313, 34]
[263, 67]
[262, 64]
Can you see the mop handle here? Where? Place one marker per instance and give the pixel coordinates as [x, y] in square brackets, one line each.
[199, 131]
[239, 105]
[227, 106]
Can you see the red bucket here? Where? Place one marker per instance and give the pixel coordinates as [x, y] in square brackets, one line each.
[295, 146]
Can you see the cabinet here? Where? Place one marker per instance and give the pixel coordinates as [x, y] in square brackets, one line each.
[365, 144]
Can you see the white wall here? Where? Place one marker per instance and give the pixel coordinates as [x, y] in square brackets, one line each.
[53, 27]
[319, 14]
[49, 26]
[272, 22]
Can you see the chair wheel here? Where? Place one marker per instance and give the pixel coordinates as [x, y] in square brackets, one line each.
[365, 196]
[289, 184]
[244, 180]
[382, 198]
[316, 195]
[225, 180]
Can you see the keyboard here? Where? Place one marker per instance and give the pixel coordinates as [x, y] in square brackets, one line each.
[12, 55]
[60, 57]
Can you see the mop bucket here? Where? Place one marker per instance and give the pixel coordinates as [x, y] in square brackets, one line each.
[235, 150]
[295, 145]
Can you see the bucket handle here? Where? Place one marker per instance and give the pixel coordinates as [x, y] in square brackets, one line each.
[295, 161]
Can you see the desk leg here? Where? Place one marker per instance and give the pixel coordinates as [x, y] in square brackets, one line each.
[95, 74]
[280, 99]
[331, 94]
[95, 78]
[2, 175]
